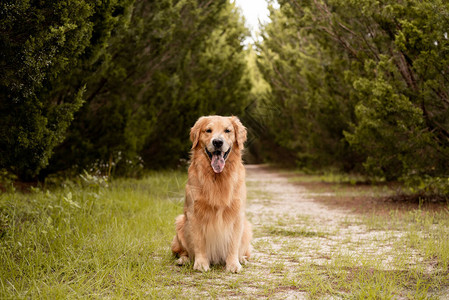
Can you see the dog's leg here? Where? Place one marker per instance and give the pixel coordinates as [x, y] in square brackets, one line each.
[180, 251]
[232, 260]
[183, 259]
[178, 245]
[245, 246]
[201, 261]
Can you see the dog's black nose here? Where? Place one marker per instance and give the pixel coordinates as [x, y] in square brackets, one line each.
[217, 143]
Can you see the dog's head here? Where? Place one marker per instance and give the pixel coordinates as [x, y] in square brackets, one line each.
[218, 136]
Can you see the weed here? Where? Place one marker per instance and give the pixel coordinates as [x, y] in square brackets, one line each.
[296, 232]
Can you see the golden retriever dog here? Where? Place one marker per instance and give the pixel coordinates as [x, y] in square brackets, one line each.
[213, 228]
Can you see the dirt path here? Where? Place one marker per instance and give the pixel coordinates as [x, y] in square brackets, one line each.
[272, 194]
[293, 232]
[278, 206]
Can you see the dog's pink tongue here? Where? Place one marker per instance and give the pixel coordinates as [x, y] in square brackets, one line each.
[217, 162]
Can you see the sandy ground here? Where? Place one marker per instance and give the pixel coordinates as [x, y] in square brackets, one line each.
[272, 194]
[306, 232]
[275, 202]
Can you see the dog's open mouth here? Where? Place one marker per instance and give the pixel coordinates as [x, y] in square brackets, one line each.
[218, 159]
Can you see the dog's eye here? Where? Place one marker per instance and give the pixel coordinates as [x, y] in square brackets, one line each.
[227, 130]
[208, 130]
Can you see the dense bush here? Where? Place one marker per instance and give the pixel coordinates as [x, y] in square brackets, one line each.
[361, 83]
[132, 75]
[42, 43]
[175, 62]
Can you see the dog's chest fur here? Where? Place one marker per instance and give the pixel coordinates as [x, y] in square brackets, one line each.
[219, 216]
[218, 234]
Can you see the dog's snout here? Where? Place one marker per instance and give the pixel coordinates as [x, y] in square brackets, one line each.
[217, 143]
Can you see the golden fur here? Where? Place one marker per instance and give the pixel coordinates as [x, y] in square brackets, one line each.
[213, 228]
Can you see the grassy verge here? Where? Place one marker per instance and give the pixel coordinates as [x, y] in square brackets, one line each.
[88, 239]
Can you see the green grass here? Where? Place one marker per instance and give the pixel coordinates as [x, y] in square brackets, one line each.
[89, 239]
[425, 231]
[97, 239]
[294, 232]
[329, 177]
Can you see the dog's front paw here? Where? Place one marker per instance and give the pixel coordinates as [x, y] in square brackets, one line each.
[233, 267]
[201, 264]
[182, 260]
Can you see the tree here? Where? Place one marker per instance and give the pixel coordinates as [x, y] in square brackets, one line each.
[107, 84]
[402, 111]
[42, 44]
[370, 75]
[309, 106]
[175, 62]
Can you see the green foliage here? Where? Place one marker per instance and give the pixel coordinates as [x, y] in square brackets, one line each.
[401, 124]
[175, 62]
[88, 237]
[209, 78]
[42, 44]
[133, 76]
[312, 106]
[361, 82]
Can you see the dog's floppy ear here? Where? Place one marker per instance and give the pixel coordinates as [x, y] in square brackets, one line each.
[240, 132]
[195, 131]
